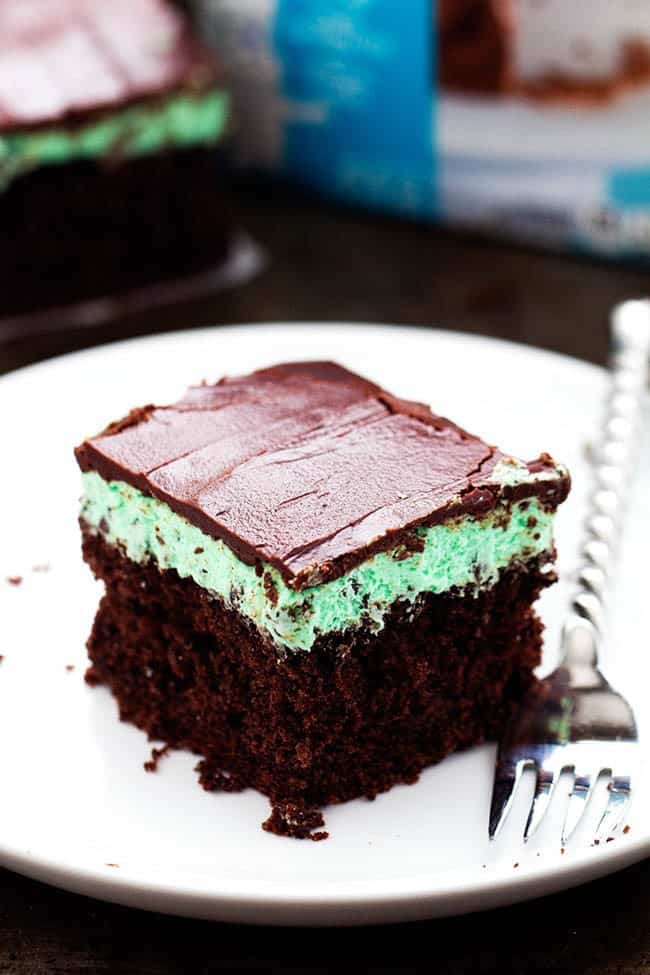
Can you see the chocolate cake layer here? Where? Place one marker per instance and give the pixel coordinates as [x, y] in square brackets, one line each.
[311, 468]
[352, 718]
[88, 230]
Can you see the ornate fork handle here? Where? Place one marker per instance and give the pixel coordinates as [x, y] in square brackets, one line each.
[613, 464]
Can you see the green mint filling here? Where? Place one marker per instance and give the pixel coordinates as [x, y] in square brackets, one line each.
[465, 552]
[180, 120]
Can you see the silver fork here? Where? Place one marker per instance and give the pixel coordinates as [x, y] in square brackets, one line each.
[573, 722]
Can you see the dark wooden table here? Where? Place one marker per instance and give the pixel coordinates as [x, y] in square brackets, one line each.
[329, 264]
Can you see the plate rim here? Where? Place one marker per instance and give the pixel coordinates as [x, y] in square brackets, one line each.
[410, 897]
[350, 905]
[308, 324]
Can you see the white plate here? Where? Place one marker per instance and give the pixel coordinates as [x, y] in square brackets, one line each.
[77, 808]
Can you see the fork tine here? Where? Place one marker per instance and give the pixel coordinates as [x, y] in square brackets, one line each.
[617, 806]
[544, 787]
[505, 782]
[580, 794]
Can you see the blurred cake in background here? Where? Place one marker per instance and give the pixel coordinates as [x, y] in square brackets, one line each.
[474, 39]
[585, 49]
[109, 117]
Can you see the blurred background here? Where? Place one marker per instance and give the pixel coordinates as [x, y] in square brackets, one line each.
[481, 165]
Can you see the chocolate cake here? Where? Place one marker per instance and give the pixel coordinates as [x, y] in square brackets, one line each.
[316, 586]
[474, 44]
[109, 118]
[584, 51]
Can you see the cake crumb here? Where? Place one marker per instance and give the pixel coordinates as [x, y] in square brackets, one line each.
[561, 849]
[270, 589]
[412, 543]
[2, 657]
[610, 839]
[626, 829]
[91, 677]
[515, 865]
[296, 820]
[215, 779]
[14, 580]
[151, 765]
[69, 667]
[41, 567]
[111, 864]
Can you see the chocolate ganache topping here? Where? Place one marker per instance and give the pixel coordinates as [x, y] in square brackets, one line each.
[63, 60]
[310, 467]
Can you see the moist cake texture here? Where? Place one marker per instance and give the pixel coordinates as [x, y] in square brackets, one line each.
[100, 104]
[318, 587]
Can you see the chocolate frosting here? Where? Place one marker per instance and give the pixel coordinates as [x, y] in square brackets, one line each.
[63, 59]
[306, 466]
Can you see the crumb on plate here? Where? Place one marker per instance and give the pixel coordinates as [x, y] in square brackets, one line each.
[151, 765]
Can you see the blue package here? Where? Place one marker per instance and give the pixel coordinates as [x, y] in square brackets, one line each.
[509, 117]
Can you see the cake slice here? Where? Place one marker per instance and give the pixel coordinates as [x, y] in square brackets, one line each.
[584, 51]
[109, 117]
[316, 586]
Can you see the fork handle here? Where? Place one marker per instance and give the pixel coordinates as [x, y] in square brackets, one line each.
[613, 467]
